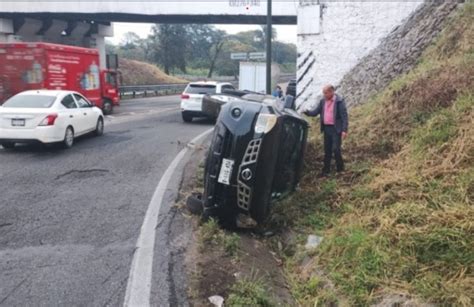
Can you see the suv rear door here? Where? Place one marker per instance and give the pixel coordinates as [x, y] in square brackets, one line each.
[197, 91]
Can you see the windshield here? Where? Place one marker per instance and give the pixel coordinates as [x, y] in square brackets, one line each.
[30, 101]
[200, 89]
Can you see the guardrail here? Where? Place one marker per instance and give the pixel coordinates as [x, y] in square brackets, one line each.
[169, 89]
[286, 78]
[145, 90]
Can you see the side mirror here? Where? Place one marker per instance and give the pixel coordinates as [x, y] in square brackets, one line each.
[289, 102]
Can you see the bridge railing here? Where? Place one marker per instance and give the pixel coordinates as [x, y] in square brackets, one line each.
[133, 91]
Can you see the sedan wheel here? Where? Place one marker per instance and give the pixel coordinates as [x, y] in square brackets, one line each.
[68, 138]
[99, 128]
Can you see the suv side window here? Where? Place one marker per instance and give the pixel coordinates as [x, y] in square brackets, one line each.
[82, 102]
[69, 102]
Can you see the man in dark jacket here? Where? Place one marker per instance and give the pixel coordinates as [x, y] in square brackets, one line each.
[334, 124]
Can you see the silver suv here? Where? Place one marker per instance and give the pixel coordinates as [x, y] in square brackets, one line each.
[191, 98]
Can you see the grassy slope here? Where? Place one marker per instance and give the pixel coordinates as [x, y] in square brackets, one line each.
[401, 220]
[141, 73]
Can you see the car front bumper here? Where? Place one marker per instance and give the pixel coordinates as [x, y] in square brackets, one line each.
[250, 181]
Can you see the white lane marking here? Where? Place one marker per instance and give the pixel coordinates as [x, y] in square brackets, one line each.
[140, 277]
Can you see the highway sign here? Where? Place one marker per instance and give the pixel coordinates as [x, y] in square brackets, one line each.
[239, 56]
[257, 55]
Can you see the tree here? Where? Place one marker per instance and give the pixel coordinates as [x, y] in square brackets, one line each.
[218, 40]
[130, 40]
[284, 53]
[224, 65]
[206, 44]
[169, 46]
[262, 35]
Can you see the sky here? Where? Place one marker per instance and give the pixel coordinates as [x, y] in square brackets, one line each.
[285, 33]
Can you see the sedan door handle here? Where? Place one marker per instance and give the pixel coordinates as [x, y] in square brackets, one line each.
[85, 114]
[71, 116]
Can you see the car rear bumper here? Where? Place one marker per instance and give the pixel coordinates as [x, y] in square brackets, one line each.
[193, 105]
[39, 134]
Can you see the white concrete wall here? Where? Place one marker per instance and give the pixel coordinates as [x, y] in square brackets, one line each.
[348, 31]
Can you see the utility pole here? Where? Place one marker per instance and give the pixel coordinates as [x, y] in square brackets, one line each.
[269, 47]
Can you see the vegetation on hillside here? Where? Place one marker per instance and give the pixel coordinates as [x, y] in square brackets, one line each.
[200, 48]
[400, 220]
[142, 73]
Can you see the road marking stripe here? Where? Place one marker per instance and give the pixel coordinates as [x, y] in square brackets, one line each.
[140, 277]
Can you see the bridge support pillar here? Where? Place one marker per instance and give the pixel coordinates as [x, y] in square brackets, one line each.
[97, 41]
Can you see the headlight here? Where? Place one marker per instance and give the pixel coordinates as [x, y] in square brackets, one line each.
[265, 123]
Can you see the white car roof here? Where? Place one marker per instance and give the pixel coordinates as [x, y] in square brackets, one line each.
[54, 93]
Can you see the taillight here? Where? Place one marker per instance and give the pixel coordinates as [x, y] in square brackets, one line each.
[49, 120]
[184, 96]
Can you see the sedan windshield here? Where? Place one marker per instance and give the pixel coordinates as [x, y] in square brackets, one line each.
[200, 89]
[30, 101]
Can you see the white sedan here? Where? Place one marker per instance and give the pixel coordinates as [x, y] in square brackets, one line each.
[48, 116]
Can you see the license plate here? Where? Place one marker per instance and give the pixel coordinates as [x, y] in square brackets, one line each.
[226, 171]
[18, 122]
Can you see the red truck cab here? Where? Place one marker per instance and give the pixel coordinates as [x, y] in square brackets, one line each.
[29, 66]
[110, 91]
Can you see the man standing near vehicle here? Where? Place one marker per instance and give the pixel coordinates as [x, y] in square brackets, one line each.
[334, 124]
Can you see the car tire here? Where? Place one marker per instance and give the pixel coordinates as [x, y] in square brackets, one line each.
[107, 107]
[68, 138]
[99, 127]
[186, 117]
[8, 145]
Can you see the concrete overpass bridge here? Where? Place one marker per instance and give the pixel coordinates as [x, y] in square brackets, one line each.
[87, 23]
[178, 11]
[326, 49]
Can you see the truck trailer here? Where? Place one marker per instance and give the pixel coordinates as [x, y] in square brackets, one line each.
[31, 66]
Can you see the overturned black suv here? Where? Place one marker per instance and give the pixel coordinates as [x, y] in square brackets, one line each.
[255, 158]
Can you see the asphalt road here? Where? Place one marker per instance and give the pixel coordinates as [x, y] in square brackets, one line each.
[70, 219]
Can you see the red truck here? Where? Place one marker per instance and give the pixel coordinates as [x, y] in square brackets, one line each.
[30, 66]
